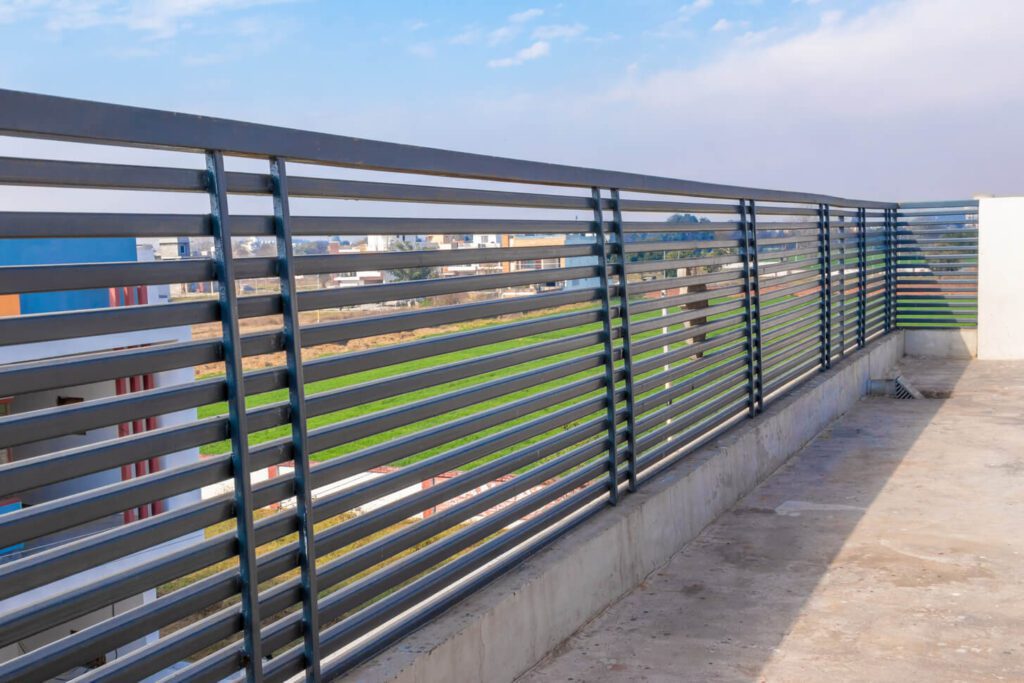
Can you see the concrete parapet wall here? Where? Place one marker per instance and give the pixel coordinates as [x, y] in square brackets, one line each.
[959, 344]
[503, 630]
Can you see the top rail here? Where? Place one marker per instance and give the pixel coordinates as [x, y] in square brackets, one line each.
[947, 204]
[45, 116]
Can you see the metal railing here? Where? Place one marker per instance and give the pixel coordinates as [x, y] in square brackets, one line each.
[937, 255]
[441, 425]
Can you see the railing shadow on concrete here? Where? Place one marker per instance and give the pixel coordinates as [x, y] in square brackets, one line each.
[722, 607]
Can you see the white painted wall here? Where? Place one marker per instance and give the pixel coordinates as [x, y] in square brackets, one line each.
[1001, 278]
[47, 399]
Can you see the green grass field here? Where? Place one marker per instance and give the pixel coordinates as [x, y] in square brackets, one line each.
[394, 371]
[409, 397]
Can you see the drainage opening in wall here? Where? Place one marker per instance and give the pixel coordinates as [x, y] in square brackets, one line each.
[896, 387]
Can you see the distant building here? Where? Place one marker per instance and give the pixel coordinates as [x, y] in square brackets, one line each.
[54, 251]
[170, 248]
[580, 261]
[536, 241]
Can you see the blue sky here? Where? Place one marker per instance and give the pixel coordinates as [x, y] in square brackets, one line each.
[827, 95]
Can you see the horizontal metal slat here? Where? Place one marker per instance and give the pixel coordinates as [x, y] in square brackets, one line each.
[344, 263]
[222, 584]
[669, 206]
[376, 225]
[49, 278]
[27, 224]
[697, 297]
[304, 186]
[53, 173]
[79, 120]
[39, 327]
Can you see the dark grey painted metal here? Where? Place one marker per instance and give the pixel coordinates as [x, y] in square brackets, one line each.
[825, 238]
[889, 284]
[862, 285]
[252, 658]
[609, 356]
[935, 258]
[752, 305]
[297, 404]
[841, 323]
[965, 203]
[627, 340]
[18, 224]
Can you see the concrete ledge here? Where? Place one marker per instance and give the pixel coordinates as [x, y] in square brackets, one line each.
[959, 344]
[502, 631]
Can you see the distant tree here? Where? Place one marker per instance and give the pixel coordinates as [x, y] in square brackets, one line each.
[311, 247]
[680, 236]
[415, 272]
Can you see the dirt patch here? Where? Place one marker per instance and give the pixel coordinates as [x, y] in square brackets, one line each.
[273, 323]
[916, 563]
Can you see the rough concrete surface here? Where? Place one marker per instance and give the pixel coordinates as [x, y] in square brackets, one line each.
[890, 549]
[959, 343]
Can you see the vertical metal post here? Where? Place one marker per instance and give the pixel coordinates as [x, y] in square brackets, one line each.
[252, 657]
[842, 286]
[297, 404]
[862, 278]
[627, 339]
[825, 254]
[894, 272]
[888, 270]
[609, 354]
[894, 263]
[752, 305]
[755, 263]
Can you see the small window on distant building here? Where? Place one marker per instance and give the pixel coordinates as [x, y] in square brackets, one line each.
[5, 409]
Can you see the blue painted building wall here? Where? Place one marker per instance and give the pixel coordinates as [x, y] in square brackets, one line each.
[52, 251]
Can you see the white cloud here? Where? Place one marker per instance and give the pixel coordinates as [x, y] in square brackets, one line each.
[682, 17]
[907, 54]
[157, 18]
[534, 51]
[514, 26]
[722, 25]
[502, 34]
[526, 15]
[469, 36]
[559, 31]
[914, 100]
[16, 10]
[694, 8]
[422, 50]
[886, 100]
[832, 17]
[756, 37]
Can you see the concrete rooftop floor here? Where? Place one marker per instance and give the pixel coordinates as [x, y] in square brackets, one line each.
[890, 549]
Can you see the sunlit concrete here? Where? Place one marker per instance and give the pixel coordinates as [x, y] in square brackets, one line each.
[890, 549]
[959, 343]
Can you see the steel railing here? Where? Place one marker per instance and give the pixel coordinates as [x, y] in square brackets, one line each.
[937, 255]
[432, 444]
